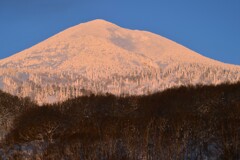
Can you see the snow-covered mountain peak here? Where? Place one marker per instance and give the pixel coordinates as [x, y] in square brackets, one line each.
[102, 57]
[99, 23]
[100, 38]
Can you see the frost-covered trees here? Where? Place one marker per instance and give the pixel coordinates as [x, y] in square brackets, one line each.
[49, 87]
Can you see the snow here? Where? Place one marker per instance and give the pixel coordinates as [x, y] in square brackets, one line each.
[102, 57]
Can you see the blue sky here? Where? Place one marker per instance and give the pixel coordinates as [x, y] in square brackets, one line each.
[209, 27]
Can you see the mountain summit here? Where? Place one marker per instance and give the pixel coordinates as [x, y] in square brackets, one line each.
[86, 44]
[101, 57]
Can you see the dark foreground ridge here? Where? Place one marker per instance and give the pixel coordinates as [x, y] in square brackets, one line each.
[194, 122]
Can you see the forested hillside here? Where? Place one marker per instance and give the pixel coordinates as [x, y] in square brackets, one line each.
[194, 122]
[11, 107]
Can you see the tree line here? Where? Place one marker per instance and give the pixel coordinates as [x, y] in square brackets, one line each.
[191, 122]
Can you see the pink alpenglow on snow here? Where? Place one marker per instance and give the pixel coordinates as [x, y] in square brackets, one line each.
[99, 57]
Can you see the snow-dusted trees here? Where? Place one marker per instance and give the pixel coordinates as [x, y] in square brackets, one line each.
[48, 87]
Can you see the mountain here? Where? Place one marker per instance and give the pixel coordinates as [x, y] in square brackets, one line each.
[100, 57]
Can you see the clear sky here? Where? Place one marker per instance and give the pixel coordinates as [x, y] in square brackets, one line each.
[209, 27]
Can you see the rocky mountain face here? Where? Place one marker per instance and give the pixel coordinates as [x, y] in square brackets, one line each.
[100, 57]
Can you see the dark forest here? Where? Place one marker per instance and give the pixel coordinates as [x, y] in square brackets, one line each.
[187, 123]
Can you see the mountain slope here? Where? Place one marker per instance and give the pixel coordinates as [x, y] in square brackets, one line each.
[99, 56]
